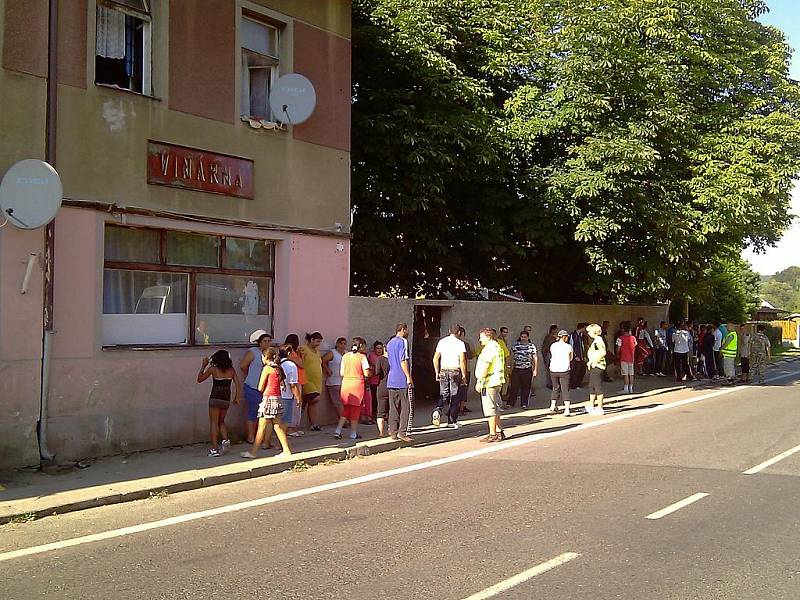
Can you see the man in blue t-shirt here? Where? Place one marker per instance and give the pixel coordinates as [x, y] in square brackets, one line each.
[400, 385]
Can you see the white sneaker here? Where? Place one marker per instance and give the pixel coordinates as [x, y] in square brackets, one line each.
[247, 454]
[590, 410]
[226, 445]
[436, 418]
[598, 412]
[454, 425]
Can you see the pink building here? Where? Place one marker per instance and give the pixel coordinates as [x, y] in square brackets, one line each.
[190, 216]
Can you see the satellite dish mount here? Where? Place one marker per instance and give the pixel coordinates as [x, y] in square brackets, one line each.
[293, 99]
[30, 194]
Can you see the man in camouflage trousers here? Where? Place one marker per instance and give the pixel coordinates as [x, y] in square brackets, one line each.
[760, 353]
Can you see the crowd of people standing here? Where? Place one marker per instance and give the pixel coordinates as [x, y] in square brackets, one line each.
[376, 387]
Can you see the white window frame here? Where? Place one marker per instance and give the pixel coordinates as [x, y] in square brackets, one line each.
[244, 86]
[147, 41]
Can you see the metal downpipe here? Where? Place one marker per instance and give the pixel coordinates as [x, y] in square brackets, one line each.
[45, 455]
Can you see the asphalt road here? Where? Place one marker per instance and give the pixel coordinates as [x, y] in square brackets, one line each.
[413, 528]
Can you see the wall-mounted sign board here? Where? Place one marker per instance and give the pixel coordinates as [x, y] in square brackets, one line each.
[199, 170]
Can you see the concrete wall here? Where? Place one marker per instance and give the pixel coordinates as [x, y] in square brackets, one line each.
[22, 117]
[375, 318]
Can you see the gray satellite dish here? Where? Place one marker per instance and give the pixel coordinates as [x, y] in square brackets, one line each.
[30, 194]
[292, 99]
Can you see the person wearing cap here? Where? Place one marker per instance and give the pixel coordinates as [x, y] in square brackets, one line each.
[251, 365]
[596, 361]
[560, 360]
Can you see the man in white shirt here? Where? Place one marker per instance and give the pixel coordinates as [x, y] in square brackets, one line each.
[450, 366]
[682, 339]
[718, 350]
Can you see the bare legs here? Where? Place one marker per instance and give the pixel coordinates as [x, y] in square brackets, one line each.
[353, 426]
[213, 420]
[265, 428]
[251, 431]
[494, 425]
[592, 407]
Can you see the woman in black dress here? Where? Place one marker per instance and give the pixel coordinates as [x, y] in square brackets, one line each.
[219, 367]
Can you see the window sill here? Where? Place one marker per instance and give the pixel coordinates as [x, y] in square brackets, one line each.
[116, 88]
[168, 347]
[264, 124]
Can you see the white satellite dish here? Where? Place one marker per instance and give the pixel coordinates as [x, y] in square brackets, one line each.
[292, 99]
[30, 194]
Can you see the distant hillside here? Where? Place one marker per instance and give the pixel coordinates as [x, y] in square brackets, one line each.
[782, 290]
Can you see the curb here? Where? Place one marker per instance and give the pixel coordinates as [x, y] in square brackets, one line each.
[194, 479]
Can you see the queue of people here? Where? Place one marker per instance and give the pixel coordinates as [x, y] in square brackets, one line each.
[376, 387]
[689, 351]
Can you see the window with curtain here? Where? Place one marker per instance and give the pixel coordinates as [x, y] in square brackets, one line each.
[122, 44]
[260, 62]
[164, 287]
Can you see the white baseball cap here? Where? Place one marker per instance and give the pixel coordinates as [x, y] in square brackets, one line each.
[257, 334]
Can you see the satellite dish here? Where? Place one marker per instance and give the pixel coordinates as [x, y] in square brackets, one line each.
[292, 99]
[30, 194]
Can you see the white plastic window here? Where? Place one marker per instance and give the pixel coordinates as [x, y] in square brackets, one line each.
[260, 62]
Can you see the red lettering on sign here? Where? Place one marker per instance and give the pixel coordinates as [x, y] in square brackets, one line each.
[199, 170]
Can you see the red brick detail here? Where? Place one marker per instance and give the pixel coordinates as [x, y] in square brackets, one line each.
[202, 55]
[25, 37]
[325, 59]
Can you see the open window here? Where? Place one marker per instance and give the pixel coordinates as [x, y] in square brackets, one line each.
[122, 47]
[260, 62]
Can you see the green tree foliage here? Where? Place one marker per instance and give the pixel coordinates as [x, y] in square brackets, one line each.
[569, 149]
[782, 290]
[728, 290]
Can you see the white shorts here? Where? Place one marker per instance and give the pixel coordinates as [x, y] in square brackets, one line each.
[626, 368]
[491, 401]
[729, 362]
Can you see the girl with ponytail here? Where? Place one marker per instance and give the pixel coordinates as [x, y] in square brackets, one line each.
[271, 407]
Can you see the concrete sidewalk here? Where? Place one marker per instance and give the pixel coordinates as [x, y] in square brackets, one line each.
[27, 495]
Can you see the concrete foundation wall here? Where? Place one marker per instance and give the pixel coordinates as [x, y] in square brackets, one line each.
[375, 318]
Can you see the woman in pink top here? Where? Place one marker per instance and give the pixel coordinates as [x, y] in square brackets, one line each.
[626, 353]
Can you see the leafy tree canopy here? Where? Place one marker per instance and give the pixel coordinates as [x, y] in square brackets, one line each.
[567, 149]
[728, 290]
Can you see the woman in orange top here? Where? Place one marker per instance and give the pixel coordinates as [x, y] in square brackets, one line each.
[354, 370]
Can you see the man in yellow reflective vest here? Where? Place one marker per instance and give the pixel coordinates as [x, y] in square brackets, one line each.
[729, 349]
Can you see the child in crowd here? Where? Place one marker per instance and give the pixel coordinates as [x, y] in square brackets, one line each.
[219, 367]
[271, 407]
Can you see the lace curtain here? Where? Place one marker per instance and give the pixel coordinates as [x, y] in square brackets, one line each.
[110, 33]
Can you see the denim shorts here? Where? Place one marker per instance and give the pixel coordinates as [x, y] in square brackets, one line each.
[253, 399]
[291, 412]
